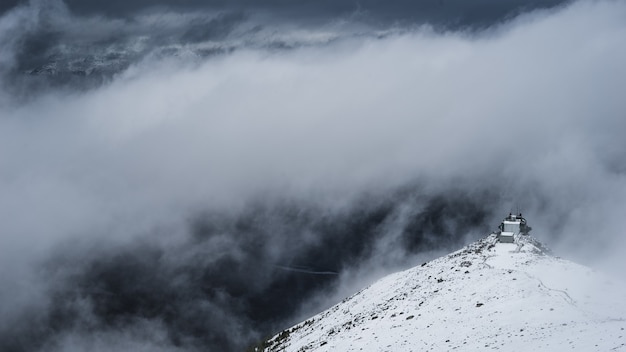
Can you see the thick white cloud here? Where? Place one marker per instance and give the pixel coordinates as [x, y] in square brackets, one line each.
[531, 105]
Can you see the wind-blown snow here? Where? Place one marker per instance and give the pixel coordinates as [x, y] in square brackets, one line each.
[487, 296]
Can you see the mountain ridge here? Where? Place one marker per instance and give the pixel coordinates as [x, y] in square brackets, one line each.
[487, 295]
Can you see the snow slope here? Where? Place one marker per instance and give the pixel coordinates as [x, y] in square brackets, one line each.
[486, 296]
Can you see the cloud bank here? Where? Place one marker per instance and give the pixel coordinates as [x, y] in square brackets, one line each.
[186, 201]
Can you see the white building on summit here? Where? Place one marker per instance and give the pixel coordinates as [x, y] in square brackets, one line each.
[512, 227]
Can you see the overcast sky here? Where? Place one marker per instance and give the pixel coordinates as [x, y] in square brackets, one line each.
[196, 176]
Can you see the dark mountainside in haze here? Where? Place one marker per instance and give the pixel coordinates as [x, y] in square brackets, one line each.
[234, 280]
[198, 175]
[62, 47]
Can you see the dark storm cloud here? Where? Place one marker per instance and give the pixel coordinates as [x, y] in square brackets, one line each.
[447, 12]
[9, 4]
[51, 45]
[84, 43]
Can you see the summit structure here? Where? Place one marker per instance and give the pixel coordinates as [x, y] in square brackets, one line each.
[512, 227]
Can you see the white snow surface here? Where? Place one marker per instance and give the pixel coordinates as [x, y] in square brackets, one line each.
[486, 296]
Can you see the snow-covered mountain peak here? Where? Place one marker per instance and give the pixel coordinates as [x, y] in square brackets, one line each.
[486, 296]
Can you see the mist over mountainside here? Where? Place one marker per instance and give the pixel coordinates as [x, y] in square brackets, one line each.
[193, 176]
[233, 272]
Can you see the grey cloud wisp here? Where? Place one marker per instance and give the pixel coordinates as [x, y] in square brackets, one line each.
[183, 201]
